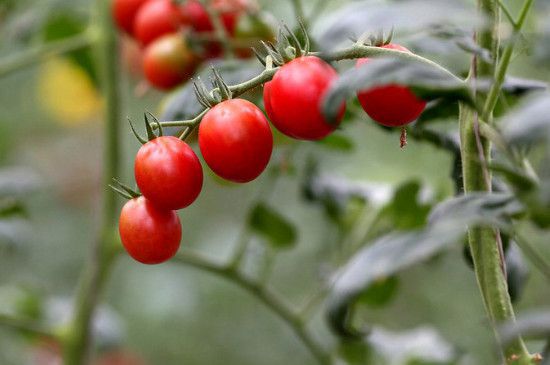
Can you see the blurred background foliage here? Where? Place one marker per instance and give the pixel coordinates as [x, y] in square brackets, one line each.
[319, 203]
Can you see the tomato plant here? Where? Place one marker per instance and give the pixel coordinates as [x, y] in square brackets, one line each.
[390, 105]
[168, 61]
[235, 140]
[168, 173]
[149, 234]
[155, 19]
[298, 114]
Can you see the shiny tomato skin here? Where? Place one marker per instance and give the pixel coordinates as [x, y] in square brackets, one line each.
[235, 140]
[149, 234]
[293, 98]
[168, 173]
[124, 13]
[155, 19]
[390, 105]
[168, 61]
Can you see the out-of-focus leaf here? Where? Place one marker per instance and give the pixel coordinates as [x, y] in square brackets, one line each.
[354, 352]
[398, 251]
[13, 231]
[182, 104]
[427, 81]
[15, 181]
[380, 292]
[529, 122]
[440, 109]
[65, 24]
[358, 17]
[337, 142]
[531, 325]
[422, 345]
[267, 222]
[405, 211]
[516, 177]
[517, 272]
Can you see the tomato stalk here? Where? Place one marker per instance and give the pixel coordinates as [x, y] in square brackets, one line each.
[485, 244]
[95, 276]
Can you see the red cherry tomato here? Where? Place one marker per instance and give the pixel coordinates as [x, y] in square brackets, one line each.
[293, 98]
[390, 105]
[168, 173]
[155, 19]
[168, 61]
[196, 15]
[235, 140]
[124, 13]
[149, 234]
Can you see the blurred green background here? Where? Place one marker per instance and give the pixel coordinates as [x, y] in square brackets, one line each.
[50, 126]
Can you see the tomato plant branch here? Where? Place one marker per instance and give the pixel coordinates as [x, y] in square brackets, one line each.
[26, 325]
[38, 54]
[265, 295]
[219, 29]
[475, 152]
[352, 52]
[95, 276]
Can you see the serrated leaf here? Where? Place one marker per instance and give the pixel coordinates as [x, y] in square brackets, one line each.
[270, 224]
[357, 17]
[529, 122]
[337, 142]
[397, 251]
[427, 82]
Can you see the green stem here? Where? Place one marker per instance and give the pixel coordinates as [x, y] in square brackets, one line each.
[265, 295]
[475, 149]
[353, 52]
[219, 29]
[25, 325]
[94, 277]
[35, 55]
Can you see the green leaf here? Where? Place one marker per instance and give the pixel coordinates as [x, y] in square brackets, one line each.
[531, 325]
[517, 272]
[380, 292]
[337, 142]
[270, 224]
[529, 122]
[394, 252]
[427, 82]
[65, 24]
[404, 210]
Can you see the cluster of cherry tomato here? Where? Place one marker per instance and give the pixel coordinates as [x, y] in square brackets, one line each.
[178, 37]
[236, 142]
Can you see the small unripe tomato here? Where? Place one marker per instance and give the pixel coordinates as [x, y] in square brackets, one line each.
[168, 173]
[149, 234]
[293, 98]
[124, 13]
[155, 19]
[168, 61]
[235, 140]
[390, 105]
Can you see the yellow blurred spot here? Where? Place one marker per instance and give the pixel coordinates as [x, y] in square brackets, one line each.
[67, 93]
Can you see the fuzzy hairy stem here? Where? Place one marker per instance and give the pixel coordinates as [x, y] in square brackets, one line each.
[475, 149]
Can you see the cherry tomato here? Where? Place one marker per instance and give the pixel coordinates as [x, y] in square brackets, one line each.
[251, 29]
[168, 61]
[155, 19]
[390, 105]
[235, 140]
[196, 15]
[293, 98]
[168, 173]
[150, 235]
[124, 13]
